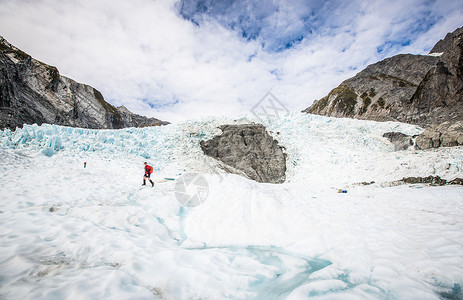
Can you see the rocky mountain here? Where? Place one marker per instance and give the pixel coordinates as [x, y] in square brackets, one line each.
[133, 120]
[418, 89]
[248, 148]
[439, 96]
[34, 92]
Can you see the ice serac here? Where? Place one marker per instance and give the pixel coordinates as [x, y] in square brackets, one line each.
[34, 92]
[250, 149]
[417, 89]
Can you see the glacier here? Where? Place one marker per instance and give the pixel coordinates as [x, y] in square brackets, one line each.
[75, 232]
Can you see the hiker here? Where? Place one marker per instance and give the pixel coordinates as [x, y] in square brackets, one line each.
[148, 171]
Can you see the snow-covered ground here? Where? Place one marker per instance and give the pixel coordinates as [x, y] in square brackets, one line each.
[69, 232]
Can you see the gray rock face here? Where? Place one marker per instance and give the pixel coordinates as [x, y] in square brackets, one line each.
[416, 89]
[250, 149]
[401, 141]
[133, 120]
[380, 92]
[444, 44]
[447, 134]
[439, 96]
[34, 92]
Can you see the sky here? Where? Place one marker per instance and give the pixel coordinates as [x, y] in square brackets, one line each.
[177, 60]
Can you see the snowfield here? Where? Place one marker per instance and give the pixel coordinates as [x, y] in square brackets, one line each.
[70, 232]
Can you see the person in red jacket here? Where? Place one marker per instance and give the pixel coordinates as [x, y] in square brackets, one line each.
[148, 171]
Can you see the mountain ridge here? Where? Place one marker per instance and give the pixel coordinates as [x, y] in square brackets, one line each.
[34, 92]
[419, 89]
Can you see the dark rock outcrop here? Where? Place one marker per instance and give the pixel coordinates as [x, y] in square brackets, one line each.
[401, 141]
[432, 180]
[250, 149]
[34, 92]
[417, 89]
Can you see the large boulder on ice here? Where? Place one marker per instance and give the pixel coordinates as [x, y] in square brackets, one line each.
[401, 141]
[249, 148]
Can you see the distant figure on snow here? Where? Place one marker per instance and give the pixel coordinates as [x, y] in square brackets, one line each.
[85, 164]
[148, 171]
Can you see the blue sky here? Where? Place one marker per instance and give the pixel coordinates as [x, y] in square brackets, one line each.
[178, 60]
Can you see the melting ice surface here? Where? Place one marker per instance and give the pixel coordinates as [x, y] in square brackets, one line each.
[70, 232]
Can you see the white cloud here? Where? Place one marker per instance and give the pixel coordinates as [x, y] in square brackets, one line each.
[142, 51]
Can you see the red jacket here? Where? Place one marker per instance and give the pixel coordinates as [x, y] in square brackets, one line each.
[148, 169]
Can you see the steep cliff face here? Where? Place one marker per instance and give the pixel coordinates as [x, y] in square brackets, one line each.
[34, 92]
[444, 44]
[418, 89]
[439, 96]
